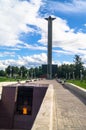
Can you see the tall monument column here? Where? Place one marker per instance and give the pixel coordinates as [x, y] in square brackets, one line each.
[49, 60]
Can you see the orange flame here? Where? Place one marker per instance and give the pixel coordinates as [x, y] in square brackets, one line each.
[25, 111]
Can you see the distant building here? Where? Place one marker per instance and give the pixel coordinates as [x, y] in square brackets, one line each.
[54, 70]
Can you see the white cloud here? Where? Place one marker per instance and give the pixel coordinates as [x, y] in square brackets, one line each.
[66, 38]
[35, 47]
[36, 59]
[84, 60]
[74, 6]
[16, 14]
[2, 65]
[62, 52]
[70, 41]
[14, 17]
[66, 62]
[6, 53]
[84, 25]
[28, 61]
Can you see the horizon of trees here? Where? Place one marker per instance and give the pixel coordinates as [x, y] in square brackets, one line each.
[72, 71]
[21, 72]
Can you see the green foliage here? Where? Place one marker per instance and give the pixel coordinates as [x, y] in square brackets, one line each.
[13, 73]
[78, 66]
[72, 71]
[2, 73]
[78, 83]
[23, 71]
[66, 71]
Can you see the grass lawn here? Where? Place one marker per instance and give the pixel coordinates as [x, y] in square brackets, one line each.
[5, 79]
[78, 82]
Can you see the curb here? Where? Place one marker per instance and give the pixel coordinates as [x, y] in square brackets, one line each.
[76, 89]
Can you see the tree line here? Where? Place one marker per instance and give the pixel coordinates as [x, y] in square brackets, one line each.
[21, 72]
[72, 71]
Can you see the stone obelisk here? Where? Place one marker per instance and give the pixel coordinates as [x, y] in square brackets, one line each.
[49, 60]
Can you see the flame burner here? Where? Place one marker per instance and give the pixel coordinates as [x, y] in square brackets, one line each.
[20, 104]
[24, 101]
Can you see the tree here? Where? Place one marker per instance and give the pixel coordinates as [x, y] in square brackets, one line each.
[63, 71]
[36, 70]
[40, 71]
[8, 71]
[23, 71]
[2, 73]
[15, 71]
[31, 72]
[78, 66]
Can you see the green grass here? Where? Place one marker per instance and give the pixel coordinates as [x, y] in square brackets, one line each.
[80, 83]
[6, 79]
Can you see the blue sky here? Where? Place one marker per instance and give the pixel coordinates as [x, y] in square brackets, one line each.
[23, 31]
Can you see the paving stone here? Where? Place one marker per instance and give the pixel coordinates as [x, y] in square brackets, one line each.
[71, 110]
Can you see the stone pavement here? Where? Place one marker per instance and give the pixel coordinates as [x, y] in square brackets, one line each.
[70, 108]
[71, 111]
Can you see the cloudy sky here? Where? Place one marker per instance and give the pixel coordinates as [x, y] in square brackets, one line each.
[23, 31]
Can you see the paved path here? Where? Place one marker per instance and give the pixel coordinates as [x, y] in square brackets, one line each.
[70, 109]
